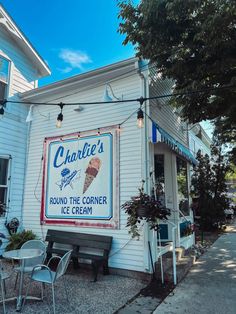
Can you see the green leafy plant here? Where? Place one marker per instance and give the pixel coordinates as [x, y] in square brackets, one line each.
[187, 230]
[144, 207]
[17, 239]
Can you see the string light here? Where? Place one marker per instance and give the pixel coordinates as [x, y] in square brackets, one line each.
[98, 132]
[140, 117]
[60, 116]
[79, 135]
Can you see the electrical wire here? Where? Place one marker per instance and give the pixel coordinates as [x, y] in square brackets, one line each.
[123, 76]
[141, 99]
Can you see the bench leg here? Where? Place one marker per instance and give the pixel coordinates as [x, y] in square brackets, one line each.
[95, 270]
[75, 262]
[105, 268]
[49, 255]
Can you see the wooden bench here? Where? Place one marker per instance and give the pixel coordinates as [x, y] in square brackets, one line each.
[98, 248]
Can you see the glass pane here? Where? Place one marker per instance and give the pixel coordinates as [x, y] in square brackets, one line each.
[4, 69]
[3, 200]
[160, 178]
[2, 90]
[182, 183]
[3, 171]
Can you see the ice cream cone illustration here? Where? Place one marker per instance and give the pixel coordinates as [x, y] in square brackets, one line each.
[91, 172]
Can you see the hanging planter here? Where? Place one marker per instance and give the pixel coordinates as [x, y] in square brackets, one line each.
[144, 207]
[142, 212]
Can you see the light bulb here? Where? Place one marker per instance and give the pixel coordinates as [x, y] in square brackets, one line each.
[59, 124]
[59, 120]
[140, 121]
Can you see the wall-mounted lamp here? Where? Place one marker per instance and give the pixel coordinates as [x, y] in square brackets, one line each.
[29, 117]
[79, 108]
[107, 97]
[60, 116]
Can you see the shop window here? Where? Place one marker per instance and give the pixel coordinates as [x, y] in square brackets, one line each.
[4, 77]
[4, 185]
[160, 178]
[182, 184]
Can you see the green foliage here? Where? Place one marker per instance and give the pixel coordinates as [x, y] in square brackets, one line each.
[193, 43]
[17, 239]
[209, 187]
[231, 174]
[143, 204]
[187, 229]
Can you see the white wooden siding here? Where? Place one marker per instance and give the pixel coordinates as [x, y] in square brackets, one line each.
[195, 144]
[126, 253]
[13, 128]
[164, 114]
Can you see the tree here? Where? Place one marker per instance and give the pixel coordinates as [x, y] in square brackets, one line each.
[194, 43]
[209, 186]
[201, 186]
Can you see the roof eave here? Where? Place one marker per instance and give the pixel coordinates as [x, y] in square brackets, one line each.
[24, 43]
[104, 74]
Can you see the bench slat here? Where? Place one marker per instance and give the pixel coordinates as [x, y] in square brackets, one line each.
[77, 235]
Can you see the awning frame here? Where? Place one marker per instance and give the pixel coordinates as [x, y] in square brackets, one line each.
[160, 135]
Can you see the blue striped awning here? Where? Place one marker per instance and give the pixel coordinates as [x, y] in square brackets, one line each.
[160, 135]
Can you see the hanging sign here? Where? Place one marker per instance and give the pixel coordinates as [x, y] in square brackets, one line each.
[78, 180]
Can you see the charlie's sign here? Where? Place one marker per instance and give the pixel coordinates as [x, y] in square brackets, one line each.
[78, 180]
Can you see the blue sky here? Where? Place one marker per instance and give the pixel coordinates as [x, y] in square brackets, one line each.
[72, 36]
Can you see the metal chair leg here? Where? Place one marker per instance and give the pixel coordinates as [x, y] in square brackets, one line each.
[26, 294]
[3, 296]
[42, 288]
[67, 297]
[53, 300]
[4, 285]
[16, 281]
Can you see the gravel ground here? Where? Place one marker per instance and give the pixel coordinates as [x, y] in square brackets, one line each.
[106, 295]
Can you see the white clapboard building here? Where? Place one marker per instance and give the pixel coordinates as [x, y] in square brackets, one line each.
[20, 68]
[61, 190]
[75, 176]
[199, 140]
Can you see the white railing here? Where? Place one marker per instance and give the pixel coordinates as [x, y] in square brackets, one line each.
[164, 249]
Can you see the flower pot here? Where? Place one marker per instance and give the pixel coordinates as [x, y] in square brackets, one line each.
[142, 212]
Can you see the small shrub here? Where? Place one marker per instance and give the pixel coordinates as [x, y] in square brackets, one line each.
[17, 239]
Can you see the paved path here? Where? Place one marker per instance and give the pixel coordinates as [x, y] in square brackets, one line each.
[210, 286]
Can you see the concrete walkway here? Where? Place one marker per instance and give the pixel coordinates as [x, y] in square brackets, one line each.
[210, 286]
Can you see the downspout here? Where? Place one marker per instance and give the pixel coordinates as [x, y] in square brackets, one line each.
[25, 169]
[145, 173]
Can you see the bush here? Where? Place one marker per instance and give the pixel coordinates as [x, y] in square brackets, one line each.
[17, 239]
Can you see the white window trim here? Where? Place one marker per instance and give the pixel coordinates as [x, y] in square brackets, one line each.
[8, 185]
[8, 88]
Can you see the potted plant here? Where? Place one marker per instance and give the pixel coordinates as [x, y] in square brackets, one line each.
[17, 239]
[144, 207]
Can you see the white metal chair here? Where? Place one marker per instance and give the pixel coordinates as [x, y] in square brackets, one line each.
[31, 262]
[43, 274]
[3, 276]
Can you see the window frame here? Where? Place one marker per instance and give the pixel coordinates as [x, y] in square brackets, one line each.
[6, 94]
[7, 185]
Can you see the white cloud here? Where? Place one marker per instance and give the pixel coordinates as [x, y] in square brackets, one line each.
[74, 58]
[65, 70]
